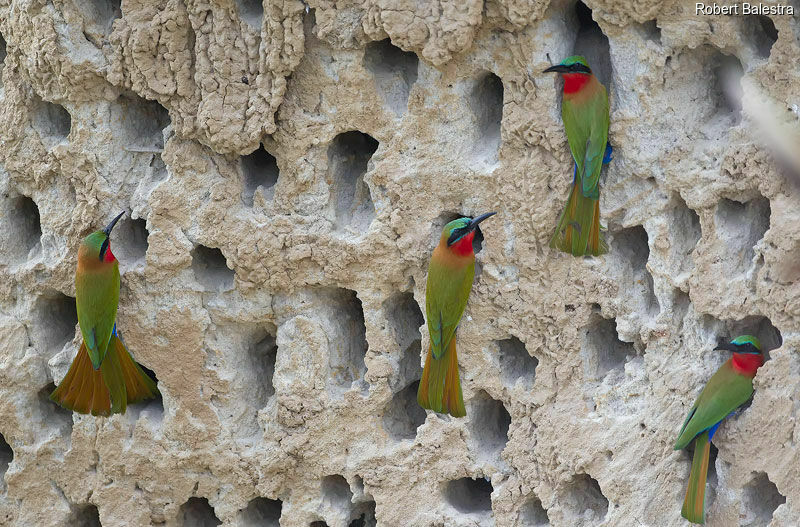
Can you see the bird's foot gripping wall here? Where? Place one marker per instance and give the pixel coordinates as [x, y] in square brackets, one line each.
[287, 168]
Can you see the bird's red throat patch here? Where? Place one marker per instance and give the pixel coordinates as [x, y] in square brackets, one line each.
[573, 82]
[108, 257]
[463, 247]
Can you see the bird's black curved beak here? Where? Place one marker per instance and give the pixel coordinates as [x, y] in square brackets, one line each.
[475, 221]
[107, 230]
[558, 68]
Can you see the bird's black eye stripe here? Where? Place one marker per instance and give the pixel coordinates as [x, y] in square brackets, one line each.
[580, 68]
[103, 249]
[455, 235]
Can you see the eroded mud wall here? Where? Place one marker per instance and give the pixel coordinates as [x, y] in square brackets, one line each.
[286, 173]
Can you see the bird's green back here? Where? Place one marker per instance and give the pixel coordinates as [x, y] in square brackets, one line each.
[446, 296]
[724, 392]
[586, 121]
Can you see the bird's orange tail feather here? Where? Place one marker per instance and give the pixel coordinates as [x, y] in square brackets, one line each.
[440, 386]
[83, 390]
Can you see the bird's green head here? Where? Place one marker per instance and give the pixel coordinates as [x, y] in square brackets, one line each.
[460, 232]
[573, 64]
[97, 246]
[742, 344]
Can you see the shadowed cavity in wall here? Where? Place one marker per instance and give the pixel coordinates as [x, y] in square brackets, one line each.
[364, 515]
[129, 241]
[631, 245]
[759, 326]
[348, 346]
[98, 17]
[251, 11]
[84, 515]
[470, 496]
[486, 103]
[261, 512]
[20, 229]
[602, 351]
[211, 269]
[685, 232]
[54, 319]
[142, 123]
[2, 58]
[533, 514]
[759, 501]
[403, 415]
[151, 409]
[6, 457]
[263, 354]
[592, 44]
[260, 173]
[51, 121]
[349, 155]
[489, 422]
[197, 512]
[394, 71]
[53, 416]
[740, 226]
[584, 499]
[727, 87]
[516, 364]
[761, 33]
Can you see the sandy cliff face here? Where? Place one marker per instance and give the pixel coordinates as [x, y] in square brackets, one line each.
[286, 173]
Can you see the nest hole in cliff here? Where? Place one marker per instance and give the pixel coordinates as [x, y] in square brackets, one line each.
[727, 86]
[631, 245]
[251, 11]
[760, 500]
[336, 494]
[21, 238]
[318, 523]
[650, 31]
[403, 415]
[51, 121]
[349, 155]
[84, 515]
[261, 512]
[740, 226]
[130, 241]
[263, 355]
[486, 103]
[211, 269]
[469, 496]
[761, 32]
[585, 499]
[516, 364]
[592, 44]
[99, 16]
[489, 423]
[6, 457]
[142, 123]
[533, 514]
[394, 71]
[54, 319]
[54, 416]
[349, 345]
[602, 350]
[364, 515]
[405, 318]
[2, 58]
[685, 233]
[260, 172]
[197, 512]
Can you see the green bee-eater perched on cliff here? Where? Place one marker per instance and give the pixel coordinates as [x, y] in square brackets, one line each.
[450, 275]
[103, 378]
[584, 110]
[727, 389]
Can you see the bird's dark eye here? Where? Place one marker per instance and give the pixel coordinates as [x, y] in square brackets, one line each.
[580, 68]
[103, 249]
[455, 235]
